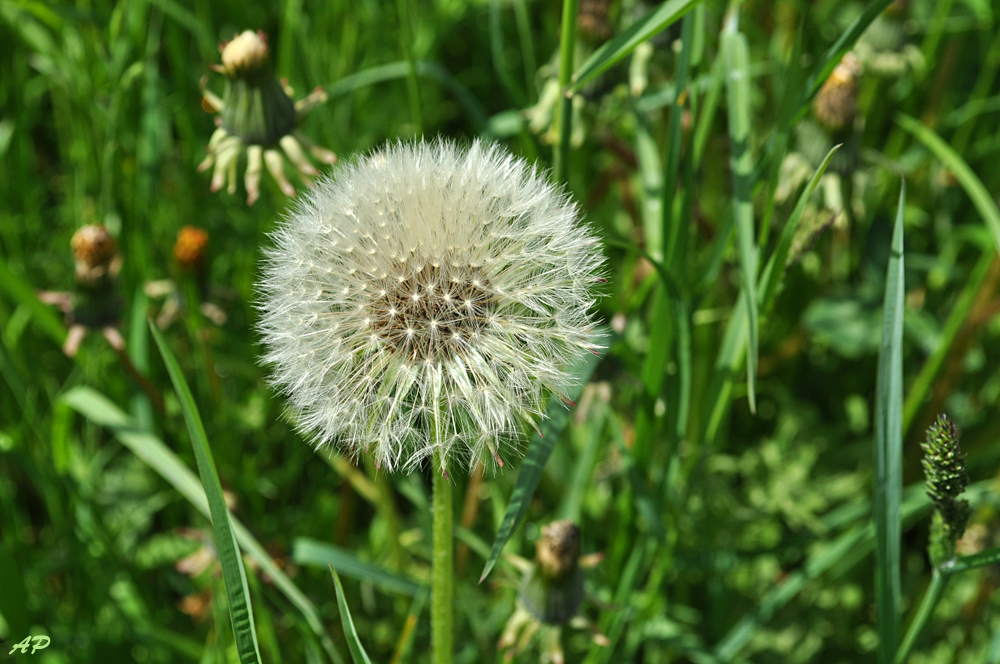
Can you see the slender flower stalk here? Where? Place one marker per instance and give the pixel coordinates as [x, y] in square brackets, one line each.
[567, 49]
[422, 306]
[442, 575]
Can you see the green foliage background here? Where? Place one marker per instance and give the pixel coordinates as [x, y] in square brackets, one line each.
[728, 536]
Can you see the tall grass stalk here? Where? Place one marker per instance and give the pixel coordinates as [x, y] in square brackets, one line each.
[567, 47]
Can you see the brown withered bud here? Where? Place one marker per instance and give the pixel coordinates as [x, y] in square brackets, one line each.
[191, 248]
[558, 549]
[93, 245]
[593, 20]
[836, 104]
[96, 254]
[245, 53]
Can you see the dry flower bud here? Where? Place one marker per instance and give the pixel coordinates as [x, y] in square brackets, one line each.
[93, 246]
[190, 248]
[553, 589]
[558, 549]
[837, 101]
[593, 20]
[246, 52]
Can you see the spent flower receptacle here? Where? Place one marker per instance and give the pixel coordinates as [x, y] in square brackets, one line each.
[257, 116]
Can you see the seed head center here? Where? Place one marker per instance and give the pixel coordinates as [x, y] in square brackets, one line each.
[431, 313]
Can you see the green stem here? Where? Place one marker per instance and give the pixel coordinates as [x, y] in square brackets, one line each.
[412, 85]
[567, 47]
[931, 597]
[442, 579]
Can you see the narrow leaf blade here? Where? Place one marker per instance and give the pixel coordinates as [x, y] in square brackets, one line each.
[233, 574]
[738, 87]
[307, 551]
[775, 269]
[153, 452]
[889, 450]
[625, 42]
[358, 654]
[973, 186]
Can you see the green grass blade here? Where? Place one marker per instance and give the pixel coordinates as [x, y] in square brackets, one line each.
[625, 42]
[233, 574]
[775, 270]
[972, 185]
[889, 450]
[975, 561]
[949, 333]
[358, 654]
[21, 292]
[538, 453]
[498, 55]
[675, 141]
[153, 452]
[738, 85]
[397, 70]
[307, 551]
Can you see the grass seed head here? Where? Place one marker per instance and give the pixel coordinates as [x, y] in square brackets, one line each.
[428, 298]
[946, 479]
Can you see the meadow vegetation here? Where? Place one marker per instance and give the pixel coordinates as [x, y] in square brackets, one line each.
[797, 205]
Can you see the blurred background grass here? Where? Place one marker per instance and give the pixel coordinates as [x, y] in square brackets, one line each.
[728, 535]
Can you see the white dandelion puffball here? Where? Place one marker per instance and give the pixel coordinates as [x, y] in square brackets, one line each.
[429, 298]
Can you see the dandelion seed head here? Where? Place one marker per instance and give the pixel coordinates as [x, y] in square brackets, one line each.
[430, 297]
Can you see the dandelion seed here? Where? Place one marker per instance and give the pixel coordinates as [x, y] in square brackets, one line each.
[457, 370]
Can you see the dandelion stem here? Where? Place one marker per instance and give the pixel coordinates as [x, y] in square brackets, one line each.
[442, 581]
[567, 47]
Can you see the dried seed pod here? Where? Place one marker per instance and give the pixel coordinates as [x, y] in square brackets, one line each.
[94, 250]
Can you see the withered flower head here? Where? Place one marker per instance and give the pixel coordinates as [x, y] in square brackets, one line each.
[553, 590]
[93, 246]
[246, 53]
[258, 116]
[593, 19]
[836, 103]
[558, 549]
[190, 248]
